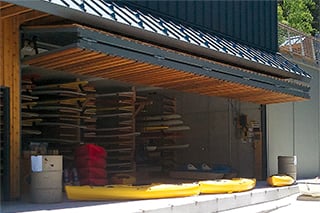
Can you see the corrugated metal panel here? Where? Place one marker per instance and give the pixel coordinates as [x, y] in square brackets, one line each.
[248, 21]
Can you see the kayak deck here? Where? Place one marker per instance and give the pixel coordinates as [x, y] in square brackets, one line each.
[226, 186]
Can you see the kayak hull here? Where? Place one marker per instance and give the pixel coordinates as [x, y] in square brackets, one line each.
[157, 191]
[226, 185]
[128, 192]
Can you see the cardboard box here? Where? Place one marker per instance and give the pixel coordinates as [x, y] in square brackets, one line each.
[46, 180]
[46, 195]
[43, 163]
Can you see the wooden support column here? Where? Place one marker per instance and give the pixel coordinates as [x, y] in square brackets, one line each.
[10, 77]
[11, 17]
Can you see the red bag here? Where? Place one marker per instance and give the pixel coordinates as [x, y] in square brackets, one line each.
[93, 181]
[92, 162]
[84, 173]
[90, 150]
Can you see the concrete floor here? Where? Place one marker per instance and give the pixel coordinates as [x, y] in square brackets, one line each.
[202, 203]
[292, 203]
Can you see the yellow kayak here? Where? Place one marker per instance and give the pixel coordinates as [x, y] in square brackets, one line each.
[280, 180]
[128, 192]
[226, 186]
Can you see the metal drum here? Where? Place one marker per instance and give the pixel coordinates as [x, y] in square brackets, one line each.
[288, 165]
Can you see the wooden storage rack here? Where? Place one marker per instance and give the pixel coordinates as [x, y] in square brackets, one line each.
[115, 129]
[55, 114]
[160, 126]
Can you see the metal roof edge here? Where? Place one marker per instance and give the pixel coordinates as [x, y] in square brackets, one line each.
[169, 54]
[141, 34]
[192, 68]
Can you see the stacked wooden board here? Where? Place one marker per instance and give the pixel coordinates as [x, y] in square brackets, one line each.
[160, 126]
[115, 129]
[67, 114]
[55, 113]
[28, 117]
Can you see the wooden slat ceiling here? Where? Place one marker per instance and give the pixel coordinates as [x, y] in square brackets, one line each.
[81, 61]
[8, 10]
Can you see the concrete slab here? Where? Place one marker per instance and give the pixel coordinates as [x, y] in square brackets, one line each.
[202, 203]
[292, 203]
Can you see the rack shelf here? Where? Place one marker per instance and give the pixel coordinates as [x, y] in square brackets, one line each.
[115, 129]
[160, 126]
[54, 113]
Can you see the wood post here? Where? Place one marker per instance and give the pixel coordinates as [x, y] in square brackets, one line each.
[10, 77]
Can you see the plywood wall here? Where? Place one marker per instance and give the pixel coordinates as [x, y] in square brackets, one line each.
[11, 18]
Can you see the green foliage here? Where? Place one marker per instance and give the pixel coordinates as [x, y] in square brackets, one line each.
[281, 19]
[297, 14]
[316, 16]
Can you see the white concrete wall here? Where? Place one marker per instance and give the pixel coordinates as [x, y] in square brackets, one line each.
[214, 137]
[293, 129]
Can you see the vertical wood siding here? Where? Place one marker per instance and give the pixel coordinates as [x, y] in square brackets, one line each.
[10, 77]
[252, 22]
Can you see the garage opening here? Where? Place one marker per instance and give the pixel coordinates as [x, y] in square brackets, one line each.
[155, 122]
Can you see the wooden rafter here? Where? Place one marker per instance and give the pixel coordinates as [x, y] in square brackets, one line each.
[23, 14]
[13, 10]
[11, 18]
[4, 5]
[32, 15]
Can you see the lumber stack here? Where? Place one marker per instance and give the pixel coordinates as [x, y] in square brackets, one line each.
[160, 125]
[55, 113]
[115, 129]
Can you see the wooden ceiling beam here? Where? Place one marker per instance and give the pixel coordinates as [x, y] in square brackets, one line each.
[13, 10]
[104, 67]
[186, 80]
[32, 15]
[60, 61]
[41, 58]
[4, 5]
